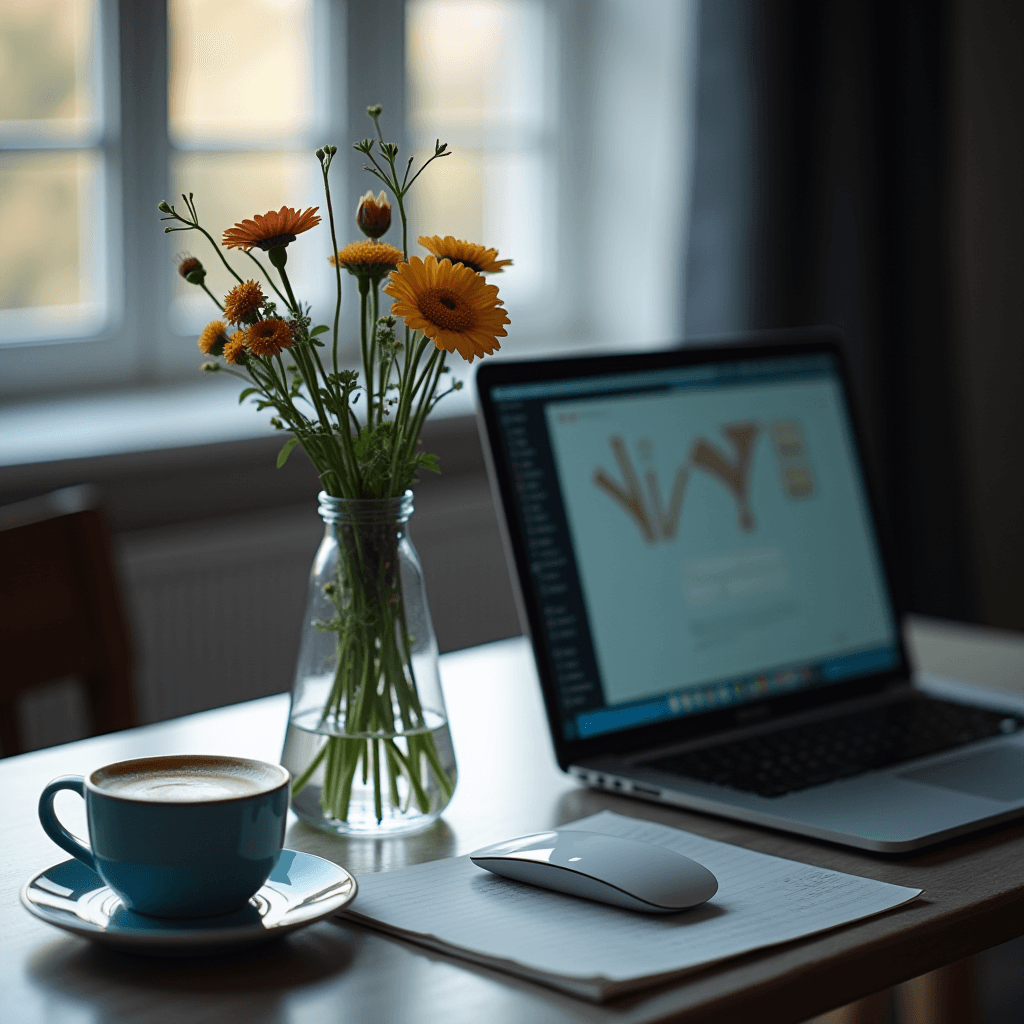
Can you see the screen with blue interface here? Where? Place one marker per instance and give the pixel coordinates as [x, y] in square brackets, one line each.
[697, 537]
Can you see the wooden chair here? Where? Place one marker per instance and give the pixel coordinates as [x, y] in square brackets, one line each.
[61, 613]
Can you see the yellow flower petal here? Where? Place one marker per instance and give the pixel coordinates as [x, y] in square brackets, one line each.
[451, 304]
[469, 254]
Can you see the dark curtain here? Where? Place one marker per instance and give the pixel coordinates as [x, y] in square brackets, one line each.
[821, 196]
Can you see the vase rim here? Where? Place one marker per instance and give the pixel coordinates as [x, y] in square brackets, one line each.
[397, 509]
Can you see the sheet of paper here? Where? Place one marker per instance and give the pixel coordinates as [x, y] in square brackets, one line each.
[596, 949]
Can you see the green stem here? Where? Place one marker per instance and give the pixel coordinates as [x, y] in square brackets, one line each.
[293, 306]
[364, 289]
[337, 269]
[223, 259]
[202, 284]
[266, 274]
[374, 356]
[377, 802]
[300, 783]
[400, 200]
[413, 354]
[309, 377]
[421, 413]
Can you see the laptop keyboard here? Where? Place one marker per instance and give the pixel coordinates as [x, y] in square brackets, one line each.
[811, 755]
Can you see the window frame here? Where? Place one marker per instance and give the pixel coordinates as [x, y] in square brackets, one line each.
[356, 65]
[360, 60]
[29, 360]
[326, 125]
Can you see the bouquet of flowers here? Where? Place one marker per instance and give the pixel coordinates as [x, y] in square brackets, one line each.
[360, 430]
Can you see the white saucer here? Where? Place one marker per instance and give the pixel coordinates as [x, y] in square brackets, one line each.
[301, 889]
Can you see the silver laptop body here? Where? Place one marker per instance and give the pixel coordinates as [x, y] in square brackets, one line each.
[701, 575]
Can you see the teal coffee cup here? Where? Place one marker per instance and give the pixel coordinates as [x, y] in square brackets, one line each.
[187, 835]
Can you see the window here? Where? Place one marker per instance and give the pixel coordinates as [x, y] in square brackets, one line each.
[570, 125]
[243, 142]
[57, 142]
[568, 120]
[480, 76]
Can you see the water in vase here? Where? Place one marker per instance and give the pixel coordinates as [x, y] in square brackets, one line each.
[370, 784]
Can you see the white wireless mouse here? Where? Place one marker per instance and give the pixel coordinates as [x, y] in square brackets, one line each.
[623, 872]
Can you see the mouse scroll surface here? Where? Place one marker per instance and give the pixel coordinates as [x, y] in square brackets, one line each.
[610, 869]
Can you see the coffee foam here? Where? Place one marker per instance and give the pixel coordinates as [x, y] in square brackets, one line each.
[187, 779]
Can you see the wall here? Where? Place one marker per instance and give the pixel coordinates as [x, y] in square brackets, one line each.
[214, 547]
[988, 274]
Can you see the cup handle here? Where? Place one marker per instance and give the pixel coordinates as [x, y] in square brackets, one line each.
[54, 829]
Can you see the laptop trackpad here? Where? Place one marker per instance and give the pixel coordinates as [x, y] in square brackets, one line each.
[997, 774]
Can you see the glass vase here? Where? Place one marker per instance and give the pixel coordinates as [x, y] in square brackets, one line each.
[368, 744]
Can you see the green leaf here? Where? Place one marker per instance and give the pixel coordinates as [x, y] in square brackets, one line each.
[361, 444]
[319, 329]
[246, 393]
[282, 455]
[429, 462]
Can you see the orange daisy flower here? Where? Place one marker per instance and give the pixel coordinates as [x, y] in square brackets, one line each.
[212, 339]
[368, 259]
[242, 301]
[268, 337]
[469, 254]
[450, 304]
[234, 350]
[272, 230]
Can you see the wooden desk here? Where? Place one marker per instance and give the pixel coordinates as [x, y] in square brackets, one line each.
[509, 784]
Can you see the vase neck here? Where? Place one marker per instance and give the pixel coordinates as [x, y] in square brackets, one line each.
[365, 511]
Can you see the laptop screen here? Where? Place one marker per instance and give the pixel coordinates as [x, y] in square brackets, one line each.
[696, 537]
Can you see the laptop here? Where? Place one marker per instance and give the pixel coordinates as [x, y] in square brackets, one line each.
[701, 575]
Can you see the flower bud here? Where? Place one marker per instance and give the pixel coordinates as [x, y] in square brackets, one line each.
[375, 111]
[373, 216]
[210, 367]
[163, 206]
[191, 269]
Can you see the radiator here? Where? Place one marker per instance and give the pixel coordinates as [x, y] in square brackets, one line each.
[216, 606]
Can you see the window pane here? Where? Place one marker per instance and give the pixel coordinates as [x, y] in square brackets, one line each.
[448, 197]
[475, 63]
[519, 219]
[46, 63]
[501, 199]
[476, 79]
[53, 251]
[230, 187]
[240, 70]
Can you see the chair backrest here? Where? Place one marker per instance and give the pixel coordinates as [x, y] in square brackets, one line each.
[61, 613]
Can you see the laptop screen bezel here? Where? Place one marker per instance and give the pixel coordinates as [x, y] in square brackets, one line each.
[683, 729]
